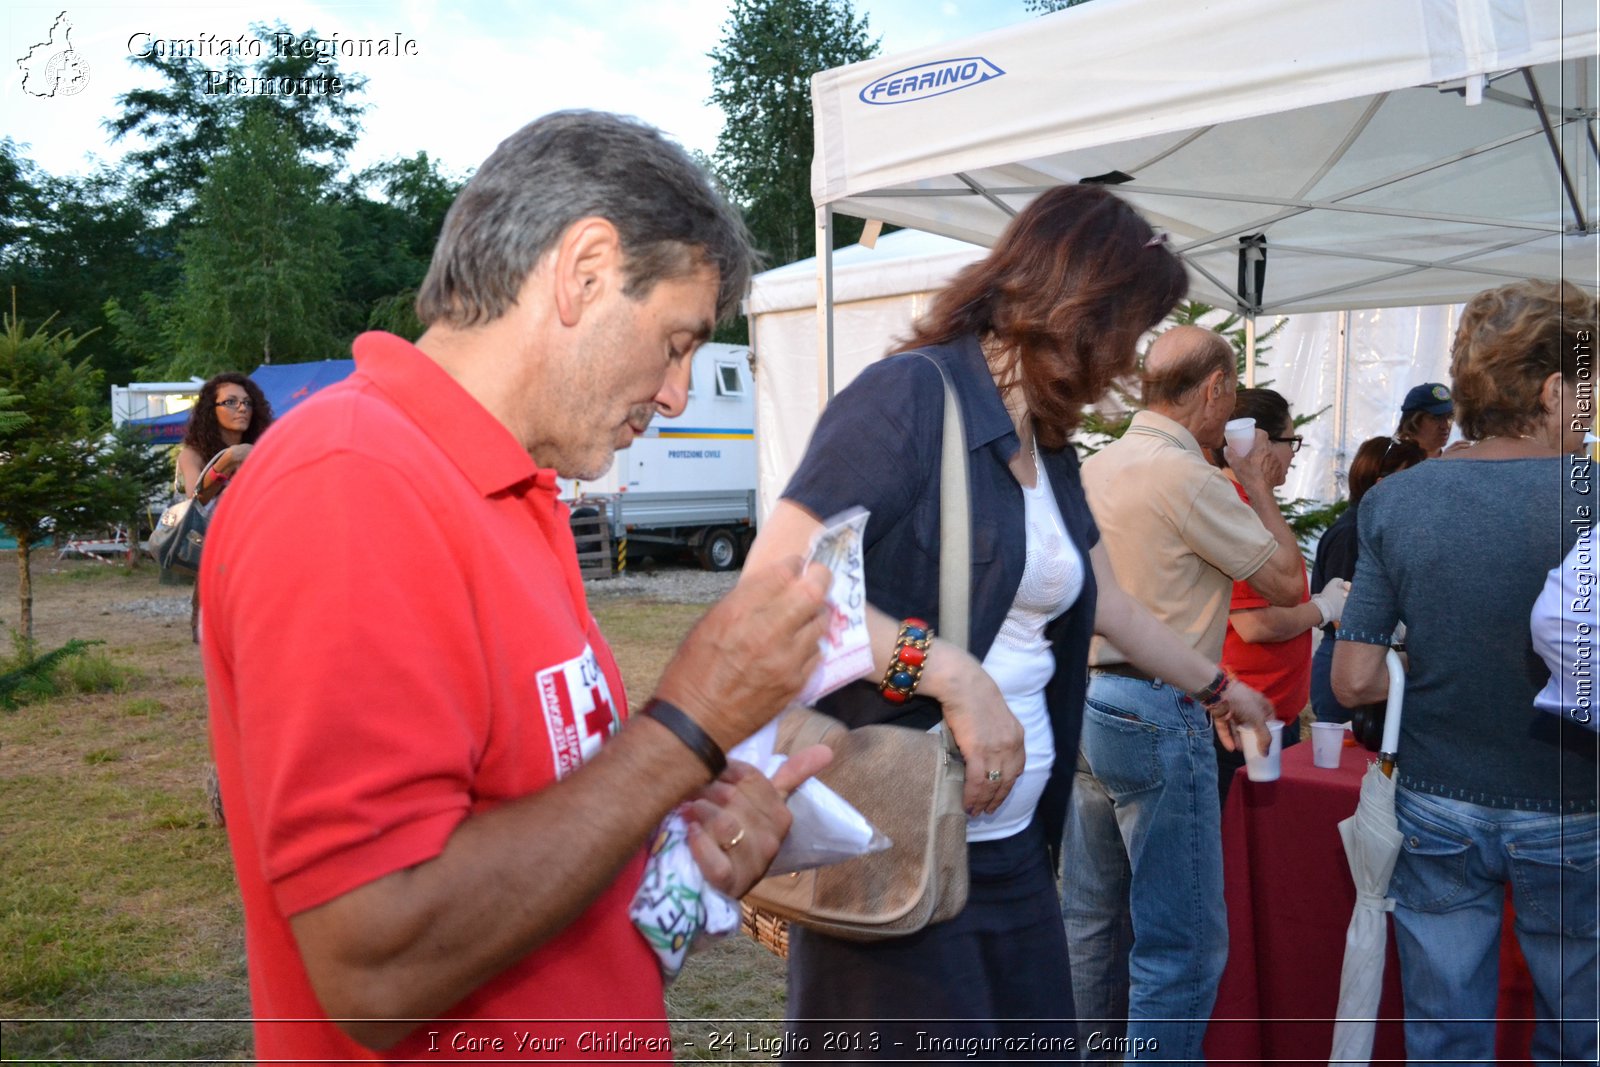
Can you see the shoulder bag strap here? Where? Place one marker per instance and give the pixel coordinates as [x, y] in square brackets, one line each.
[955, 528]
[201, 480]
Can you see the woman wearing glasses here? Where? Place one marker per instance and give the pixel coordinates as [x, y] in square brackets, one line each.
[1267, 647]
[227, 418]
[230, 414]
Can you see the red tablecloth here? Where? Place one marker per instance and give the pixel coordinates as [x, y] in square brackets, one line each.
[1289, 895]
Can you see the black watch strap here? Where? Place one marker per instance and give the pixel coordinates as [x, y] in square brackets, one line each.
[689, 732]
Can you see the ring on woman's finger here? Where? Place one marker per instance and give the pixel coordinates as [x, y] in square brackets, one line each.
[733, 844]
[994, 776]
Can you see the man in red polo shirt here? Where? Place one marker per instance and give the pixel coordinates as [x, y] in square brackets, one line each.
[437, 801]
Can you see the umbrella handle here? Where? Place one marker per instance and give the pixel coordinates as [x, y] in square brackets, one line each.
[1391, 713]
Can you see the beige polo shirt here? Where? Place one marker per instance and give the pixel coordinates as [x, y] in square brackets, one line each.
[1176, 531]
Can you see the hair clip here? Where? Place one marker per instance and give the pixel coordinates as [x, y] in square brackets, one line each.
[1160, 238]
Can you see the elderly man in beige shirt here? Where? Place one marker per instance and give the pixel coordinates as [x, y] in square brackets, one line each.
[1143, 849]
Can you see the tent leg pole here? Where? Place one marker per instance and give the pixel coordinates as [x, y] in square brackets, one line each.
[824, 306]
[1341, 400]
[1250, 351]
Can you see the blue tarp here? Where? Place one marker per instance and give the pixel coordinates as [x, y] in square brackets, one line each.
[285, 385]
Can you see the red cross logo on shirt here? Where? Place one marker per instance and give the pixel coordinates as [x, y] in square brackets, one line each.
[602, 720]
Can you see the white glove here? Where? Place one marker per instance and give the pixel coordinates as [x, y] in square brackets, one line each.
[1331, 600]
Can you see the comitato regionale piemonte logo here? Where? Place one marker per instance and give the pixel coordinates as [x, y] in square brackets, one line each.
[53, 67]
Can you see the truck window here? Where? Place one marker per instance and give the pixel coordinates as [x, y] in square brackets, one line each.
[728, 381]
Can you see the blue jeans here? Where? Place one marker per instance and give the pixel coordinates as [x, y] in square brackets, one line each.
[1323, 702]
[1142, 881]
[1449, 889]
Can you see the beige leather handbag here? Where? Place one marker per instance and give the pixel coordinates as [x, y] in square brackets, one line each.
[908, 783]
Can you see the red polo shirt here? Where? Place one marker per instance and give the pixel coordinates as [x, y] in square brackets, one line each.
[1279, 670]
[396, 638]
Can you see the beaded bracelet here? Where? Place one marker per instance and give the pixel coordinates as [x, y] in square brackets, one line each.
[1212, 695]
[905, 666]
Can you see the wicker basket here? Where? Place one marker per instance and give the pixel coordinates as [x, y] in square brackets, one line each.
[765, 929]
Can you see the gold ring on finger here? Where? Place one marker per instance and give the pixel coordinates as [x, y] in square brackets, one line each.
[733, 844]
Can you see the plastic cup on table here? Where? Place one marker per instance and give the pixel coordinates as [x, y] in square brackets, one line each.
[1263, 766]
[1327, 743]
[1241, 435]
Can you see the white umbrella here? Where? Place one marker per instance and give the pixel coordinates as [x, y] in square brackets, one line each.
[1372, 843]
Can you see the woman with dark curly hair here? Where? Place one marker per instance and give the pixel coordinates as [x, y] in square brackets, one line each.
[1027, 337]
[230, 414]
[1490, 793]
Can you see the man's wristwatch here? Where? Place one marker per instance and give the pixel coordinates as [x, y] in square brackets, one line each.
[1212, 695]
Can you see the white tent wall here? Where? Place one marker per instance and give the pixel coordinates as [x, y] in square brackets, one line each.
[788, 388]
[880, 292]
[1385, 352]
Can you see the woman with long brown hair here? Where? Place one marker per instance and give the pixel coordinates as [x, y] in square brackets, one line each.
[1027, 338]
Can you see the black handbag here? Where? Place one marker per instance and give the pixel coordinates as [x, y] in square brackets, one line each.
[180, 533]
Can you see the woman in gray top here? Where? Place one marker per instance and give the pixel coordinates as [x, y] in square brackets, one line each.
[1491, 793]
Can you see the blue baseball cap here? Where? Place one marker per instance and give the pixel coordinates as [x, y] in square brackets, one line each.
[1432, 397]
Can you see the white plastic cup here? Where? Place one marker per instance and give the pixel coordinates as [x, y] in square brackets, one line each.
[1327, 743]
[1259, 766]
[1241, 435]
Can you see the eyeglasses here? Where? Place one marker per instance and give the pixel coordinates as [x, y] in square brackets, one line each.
[234, 403]
[1295, 442]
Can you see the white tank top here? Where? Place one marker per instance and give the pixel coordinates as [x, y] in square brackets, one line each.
[1020, 660]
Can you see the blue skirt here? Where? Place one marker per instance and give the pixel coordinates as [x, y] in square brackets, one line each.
[991, 984]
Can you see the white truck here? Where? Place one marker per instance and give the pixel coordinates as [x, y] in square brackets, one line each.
[690, 481]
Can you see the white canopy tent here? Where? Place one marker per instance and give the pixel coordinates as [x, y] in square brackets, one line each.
[1303, 156]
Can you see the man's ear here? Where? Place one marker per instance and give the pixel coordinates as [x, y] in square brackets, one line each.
[587, 261]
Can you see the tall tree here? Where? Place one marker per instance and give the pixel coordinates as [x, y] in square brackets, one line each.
[261, 264]
[389, 218]
[761, 79]
[180, 124]
[67, 245]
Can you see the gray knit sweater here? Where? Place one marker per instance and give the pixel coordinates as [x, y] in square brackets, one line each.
[1459, 550]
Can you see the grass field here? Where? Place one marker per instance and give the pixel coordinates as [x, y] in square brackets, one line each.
[119, 919]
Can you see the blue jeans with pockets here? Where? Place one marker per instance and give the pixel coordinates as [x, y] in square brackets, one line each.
[1449, 885]
[1142, 877]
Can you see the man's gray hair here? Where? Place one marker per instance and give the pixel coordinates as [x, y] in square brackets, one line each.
[572, 165]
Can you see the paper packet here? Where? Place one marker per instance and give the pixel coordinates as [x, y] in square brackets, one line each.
[847, 646]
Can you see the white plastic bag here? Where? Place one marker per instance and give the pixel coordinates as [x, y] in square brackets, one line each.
[826, 828]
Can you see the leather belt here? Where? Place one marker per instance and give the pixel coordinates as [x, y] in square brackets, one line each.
[1123, 670]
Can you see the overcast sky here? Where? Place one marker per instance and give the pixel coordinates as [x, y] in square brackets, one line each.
[481, 68]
